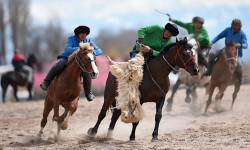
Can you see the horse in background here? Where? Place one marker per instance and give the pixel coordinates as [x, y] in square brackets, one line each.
[65, 89]
[223, 74]
[154, 85]
[14, 79]
[192, 82]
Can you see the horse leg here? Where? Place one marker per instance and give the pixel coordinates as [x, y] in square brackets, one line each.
[4, 89]
[158, 116]
[116, 114]
[15, 92]
[170, 100]
[48, 105]
[101, 116]
[29, 87]
[55, 124]
[211, 91]
[194, 94]
[237, 85]
[132, 135]
[188, 92]
[69, 112]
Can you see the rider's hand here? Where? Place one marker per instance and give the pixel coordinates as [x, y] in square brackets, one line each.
[140, 40]
[144, 48]
[210, 44]
[171, 19]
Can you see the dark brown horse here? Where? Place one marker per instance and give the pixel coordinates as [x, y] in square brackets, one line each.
[14, 79]
[223, 73]
[65, 89]
[158, 68]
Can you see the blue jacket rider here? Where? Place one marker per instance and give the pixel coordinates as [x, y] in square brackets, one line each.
[72, 45]
[231, 34]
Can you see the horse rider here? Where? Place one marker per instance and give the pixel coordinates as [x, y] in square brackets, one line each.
[231, 34]
[154, 38]
[81, 33]
[197, 28]
[20, 67]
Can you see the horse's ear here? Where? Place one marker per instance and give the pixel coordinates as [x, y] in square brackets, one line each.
[177, 42]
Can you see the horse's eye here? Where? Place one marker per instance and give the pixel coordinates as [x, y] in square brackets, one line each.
[189, 46]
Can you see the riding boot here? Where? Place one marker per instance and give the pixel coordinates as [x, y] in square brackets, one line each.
[202, 60]
[50, 76]
[87, 80]
[210, 67]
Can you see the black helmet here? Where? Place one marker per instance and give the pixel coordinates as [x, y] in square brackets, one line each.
[236, 21]
[198, 19]
[172, 28]
[81, 29]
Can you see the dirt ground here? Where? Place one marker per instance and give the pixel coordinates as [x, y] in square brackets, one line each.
[184, 128]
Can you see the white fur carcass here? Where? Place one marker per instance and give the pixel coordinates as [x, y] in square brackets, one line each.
[129, 76]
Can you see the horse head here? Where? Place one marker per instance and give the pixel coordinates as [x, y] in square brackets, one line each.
[32, 60]
[231, 55]
[185, 56]
[87, 59]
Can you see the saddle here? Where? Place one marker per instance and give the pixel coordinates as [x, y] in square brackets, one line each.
[22, 75]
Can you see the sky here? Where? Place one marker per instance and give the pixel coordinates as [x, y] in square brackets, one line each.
[115, 15]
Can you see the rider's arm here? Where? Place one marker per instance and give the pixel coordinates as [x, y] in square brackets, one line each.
[220, 36]
[69, 46]
[147, 30]
[97, 50]
[203, 38]
[182, 24]
[244, 44]
[155, 53]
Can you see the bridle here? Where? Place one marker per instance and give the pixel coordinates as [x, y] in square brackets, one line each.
[183, 62]
[230, 58]
[80, 62]
[177, 54]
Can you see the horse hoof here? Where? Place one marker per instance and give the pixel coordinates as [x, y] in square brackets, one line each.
[40, 134]
[169, 108]
[188, 100]
[90, 132]
[51, 140]
[132, 138]
[64, 126]
[110, 134]
[154, 139]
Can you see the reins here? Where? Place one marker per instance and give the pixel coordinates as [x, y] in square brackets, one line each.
[178, 54]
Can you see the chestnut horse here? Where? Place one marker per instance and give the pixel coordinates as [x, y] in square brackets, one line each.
[65, 89]
[154, 86]
[223, 73]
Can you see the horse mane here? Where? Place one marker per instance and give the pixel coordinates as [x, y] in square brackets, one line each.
[166, 48]
[82, 46]
[72, 56]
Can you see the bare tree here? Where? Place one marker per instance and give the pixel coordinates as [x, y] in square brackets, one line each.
[19, 22]
[2, 33]
[55, 38]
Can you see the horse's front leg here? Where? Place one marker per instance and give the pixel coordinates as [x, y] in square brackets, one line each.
[158, 116]
[55, 124]
[29, 87]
